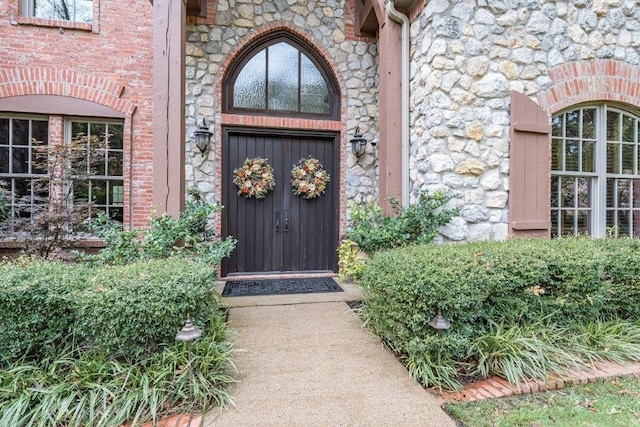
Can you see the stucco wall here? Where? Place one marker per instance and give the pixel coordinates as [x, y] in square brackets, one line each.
[466, 57]
[212, 47]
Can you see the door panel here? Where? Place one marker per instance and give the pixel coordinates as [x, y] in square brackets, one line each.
[283, 232]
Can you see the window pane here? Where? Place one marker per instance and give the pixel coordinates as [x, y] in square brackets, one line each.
[83, 10]
[613, 126]
[568, 193]
[115, 136]
[623, 223]
[4, 131]
[588, 157]
[249, 90]
[20, 132]
[115, 163]
[583, 188]
[567, 223]
[556, 125]
[4, 159]
[628, 129]
[554, 191]
[283, 77]
[99, 192]
[613, 158]
[583, 223]
[117, 193]
[40, 131]
[628, 157]
[611, 193]
[20, 160]
[79, 130]
[588, 124]
[624, 200]
[556, 154]
[81, 191]
[314, 94]
[554, 223]
[571, 155]
[116, 214]
[573, 124]
[98, 132]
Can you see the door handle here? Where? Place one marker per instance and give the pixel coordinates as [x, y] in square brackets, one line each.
[277, 222]
[286, 221]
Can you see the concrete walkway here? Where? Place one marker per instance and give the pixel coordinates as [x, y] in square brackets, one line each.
[306, 360]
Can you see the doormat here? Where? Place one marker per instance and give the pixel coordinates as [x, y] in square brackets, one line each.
[243, 288]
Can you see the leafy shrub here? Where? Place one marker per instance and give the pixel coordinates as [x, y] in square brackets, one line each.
[37, 305]
[130, 310]
[350, 265]
[497, 290]
[373, 230]
[165, 236]
[134, 309]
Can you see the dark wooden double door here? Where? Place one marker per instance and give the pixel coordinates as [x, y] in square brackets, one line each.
[283, 232]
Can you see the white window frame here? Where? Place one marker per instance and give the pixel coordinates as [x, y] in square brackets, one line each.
[598, 194]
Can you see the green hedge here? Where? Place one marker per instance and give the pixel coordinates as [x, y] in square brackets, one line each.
[129, 310]
[565, 281]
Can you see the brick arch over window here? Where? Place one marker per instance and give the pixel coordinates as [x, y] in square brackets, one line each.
[19, 82]
[584, 81]
[296, 32]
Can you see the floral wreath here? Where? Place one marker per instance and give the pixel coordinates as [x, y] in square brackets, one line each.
[254, 178]
[308, 178]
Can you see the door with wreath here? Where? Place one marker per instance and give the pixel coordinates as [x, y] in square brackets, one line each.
[280, 200]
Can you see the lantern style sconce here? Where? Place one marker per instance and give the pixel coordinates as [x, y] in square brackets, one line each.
[203, 137]
[359, 143]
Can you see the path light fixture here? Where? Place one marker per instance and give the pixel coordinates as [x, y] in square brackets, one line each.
[439, 323]
[359, 143]
[187, 334]
[202, 136]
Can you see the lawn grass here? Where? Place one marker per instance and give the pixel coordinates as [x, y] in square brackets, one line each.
[606, 404]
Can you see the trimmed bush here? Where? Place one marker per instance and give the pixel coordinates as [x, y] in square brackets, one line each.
[492, 286]
[129, 310]
[37, 305]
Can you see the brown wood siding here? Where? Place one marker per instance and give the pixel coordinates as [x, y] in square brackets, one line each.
[530, 170]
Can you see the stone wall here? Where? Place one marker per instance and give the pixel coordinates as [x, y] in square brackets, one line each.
[466, 57]
[209, 46]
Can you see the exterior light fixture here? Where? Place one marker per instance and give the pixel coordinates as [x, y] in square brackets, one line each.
[202, 136]
[187, 334]
[439, 323]
[358, 143]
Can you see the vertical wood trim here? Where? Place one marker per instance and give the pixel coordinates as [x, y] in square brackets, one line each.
[530, 171]
[169, 17]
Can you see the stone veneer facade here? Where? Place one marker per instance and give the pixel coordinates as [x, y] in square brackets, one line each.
[466, 57]
[211, 47]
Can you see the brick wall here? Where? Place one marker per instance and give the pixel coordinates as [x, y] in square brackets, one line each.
[108, 61]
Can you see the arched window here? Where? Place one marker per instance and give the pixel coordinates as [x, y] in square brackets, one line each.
[280, 76]
[595, 172]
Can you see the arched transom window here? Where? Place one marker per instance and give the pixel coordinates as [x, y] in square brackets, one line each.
[280, 77]
[595, 172]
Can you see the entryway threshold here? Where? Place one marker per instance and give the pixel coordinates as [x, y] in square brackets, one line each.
[351, 293]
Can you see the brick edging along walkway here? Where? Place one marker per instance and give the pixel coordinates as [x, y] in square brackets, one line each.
[496, 387]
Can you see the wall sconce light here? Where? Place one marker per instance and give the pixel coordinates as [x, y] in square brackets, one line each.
[202, 136]
[359, 143]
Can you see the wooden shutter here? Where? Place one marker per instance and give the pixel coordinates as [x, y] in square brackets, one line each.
[530, 164]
